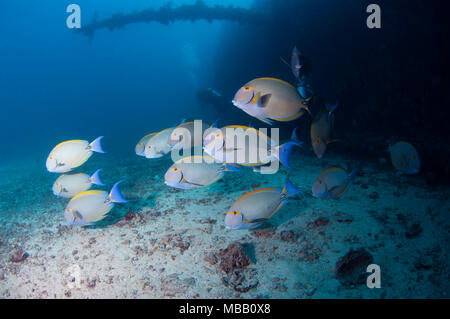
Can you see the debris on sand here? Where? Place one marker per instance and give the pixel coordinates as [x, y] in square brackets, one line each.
[289, 236]
[233, 257]
[413, 231]
[19, 256]
[234, 262]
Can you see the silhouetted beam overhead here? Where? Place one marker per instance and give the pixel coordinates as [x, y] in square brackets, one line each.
[168, 14]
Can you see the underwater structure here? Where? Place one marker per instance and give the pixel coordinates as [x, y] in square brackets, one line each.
[168, 14]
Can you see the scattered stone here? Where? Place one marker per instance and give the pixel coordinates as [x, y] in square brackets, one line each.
[233, 262]
[233, 257]
[263, 233]
[351, 268]
[424, 262]
[344, 218]
[374, 196]
[289, 236]
[211, 259]
[19, 256]
[92, 240]
[321, 221]
[68, 293]
[91, 283]
[241, 280]
[413, 231]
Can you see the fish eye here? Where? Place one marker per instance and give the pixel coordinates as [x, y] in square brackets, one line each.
[247, 88]
[149, 146]
[320, 182]
[174, 169]
[50, 157]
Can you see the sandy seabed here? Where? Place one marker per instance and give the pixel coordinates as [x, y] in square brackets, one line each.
[166, 243]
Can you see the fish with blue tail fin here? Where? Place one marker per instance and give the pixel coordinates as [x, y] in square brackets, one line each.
[246, 146]
[89, 207]
[254, 208]
[333, 183]
[71, 184]
[196, 171]
[269, 100]
[71, 154]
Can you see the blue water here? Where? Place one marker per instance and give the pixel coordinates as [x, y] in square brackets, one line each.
[58, 85]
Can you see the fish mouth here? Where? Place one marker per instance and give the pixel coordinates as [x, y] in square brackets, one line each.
[52, 165]
[237, 104]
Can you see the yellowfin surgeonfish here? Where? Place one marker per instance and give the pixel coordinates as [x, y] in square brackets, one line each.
[71, 184]
[89, 207]
[178, 140]
[186, 173]
[321, 130]
[140, 146]
[257, 151]
[70, 154]
[256, 207]
[157, 146]
[405, 158]
[332, 183]
[269, 99]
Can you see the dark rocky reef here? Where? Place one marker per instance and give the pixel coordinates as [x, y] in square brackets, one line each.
[351, 268]
[233, 262]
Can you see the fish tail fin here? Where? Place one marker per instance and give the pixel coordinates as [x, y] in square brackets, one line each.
[284, 151]
[294, 137]
[231, 167]
[115, 195]
[353, 174]
[290, 189]
[285, 62]
[306, 107]
[332, 107]
[95, 178]
[181, 122]
[214, 125]
[96, 145]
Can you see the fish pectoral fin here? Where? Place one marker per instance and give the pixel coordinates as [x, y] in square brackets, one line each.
[187, 182]
[332, 141]
[265, 120]
[77, 215]
[264, 100]
[229, 149]
[252, 221]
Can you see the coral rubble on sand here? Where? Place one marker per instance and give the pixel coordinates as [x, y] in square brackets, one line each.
[173, 244]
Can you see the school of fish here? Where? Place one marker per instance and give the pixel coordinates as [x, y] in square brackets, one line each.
[267, 99]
